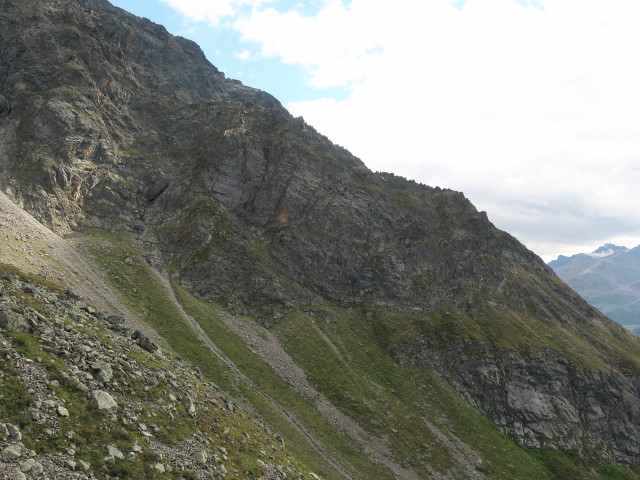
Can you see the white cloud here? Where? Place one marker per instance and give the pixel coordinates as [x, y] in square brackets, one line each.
[327, 44]
[244, 54]
[210, 11]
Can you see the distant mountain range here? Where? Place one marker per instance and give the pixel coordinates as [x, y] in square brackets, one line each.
[608, 278]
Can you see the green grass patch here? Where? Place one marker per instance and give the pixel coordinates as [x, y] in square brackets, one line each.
[14, 398]
[271, 388]
[348, 360]
[148, 298]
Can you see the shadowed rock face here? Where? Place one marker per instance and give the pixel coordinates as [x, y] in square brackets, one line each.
[107, 121]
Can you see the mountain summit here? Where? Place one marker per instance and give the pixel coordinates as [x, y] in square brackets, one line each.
[608, 249]
[196, 284]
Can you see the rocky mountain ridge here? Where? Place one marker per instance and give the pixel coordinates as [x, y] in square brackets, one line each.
[384, 328]
[609, 282]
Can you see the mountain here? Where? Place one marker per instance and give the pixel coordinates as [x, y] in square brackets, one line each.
[196, 284]
[608, 249]
[608, 278]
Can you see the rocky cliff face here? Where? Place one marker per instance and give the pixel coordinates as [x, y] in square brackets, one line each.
[126, 140]
[152, 138]
[542, 398]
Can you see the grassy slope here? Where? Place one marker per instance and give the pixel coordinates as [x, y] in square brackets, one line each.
[347, 360]
[356, 372]
[146, 296]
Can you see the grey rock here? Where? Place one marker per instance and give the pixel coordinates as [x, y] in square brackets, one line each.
[144, 342]
[62, 411]
[541, 399]
[115, 320]
[102, 371]
[13, 432]
[5, 106]
[115, 452]
[14, 321]
[27, 465]
[12, 452]
[201, 457]
[17, 475]
[72, 381]
[37, 469]
[103, 400]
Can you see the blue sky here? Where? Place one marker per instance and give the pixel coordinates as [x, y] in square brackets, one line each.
[529, 107]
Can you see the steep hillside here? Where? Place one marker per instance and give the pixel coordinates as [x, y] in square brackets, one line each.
[610, 282]
[381, 328]
[83, 393]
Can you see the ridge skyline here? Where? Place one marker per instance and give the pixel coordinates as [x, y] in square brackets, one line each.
[518, 152]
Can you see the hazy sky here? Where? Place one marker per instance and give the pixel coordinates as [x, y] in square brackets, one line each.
[531, 108]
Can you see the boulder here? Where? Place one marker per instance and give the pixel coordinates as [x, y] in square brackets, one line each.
[27, 465]
[103, 401]
[115, 452]
[102, 371]
[37, 469]
[201, 457]
[144, 342]
[17, 475]
[12, 452]
[16, 322]
[13, 432]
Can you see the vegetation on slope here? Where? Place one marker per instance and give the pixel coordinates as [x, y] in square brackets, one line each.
[345, 353]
